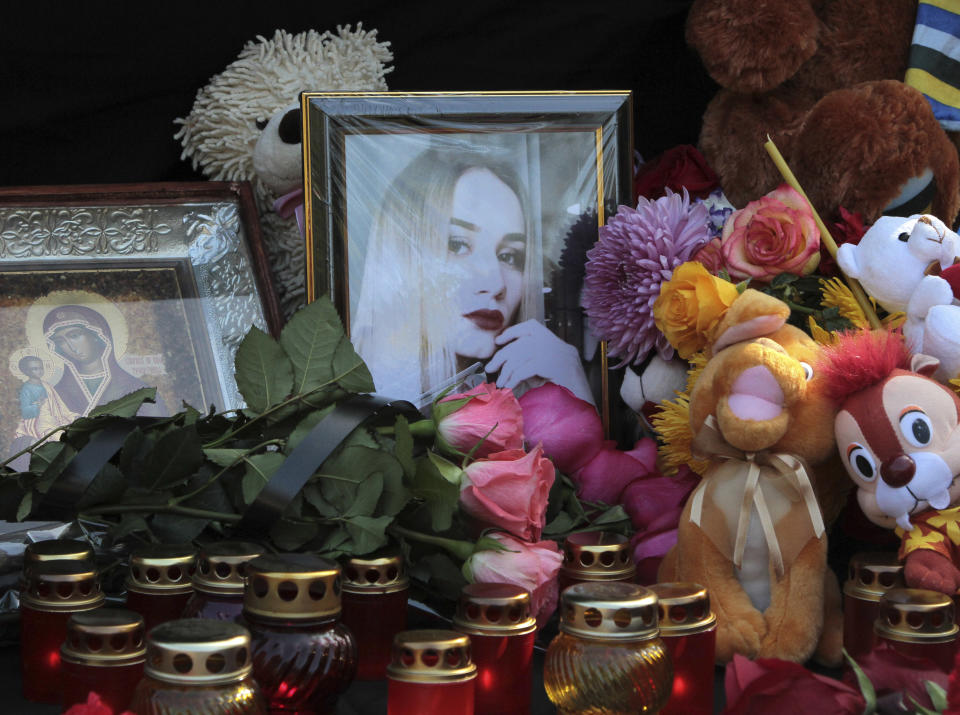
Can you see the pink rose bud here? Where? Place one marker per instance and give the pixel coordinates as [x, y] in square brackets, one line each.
[532, 566]
[509, 491]
[490, 414]
[569, 428]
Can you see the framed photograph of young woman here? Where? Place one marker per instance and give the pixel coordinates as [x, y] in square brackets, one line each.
[451, 230]
[108, 289]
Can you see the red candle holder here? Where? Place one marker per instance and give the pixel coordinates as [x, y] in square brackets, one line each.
[103, 652]
[219, 579]
[303, 656]
[374, 600]
[158, 585]
[56, 590]
[201, 666]
[497, 618]
[870, 575]
[430, 671]
[596, 556]
[688, 629]
[919, 623]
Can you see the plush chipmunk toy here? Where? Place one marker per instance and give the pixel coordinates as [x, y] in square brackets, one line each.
[754, 531]
[898, 434]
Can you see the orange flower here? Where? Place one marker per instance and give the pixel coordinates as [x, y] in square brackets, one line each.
[690, 305]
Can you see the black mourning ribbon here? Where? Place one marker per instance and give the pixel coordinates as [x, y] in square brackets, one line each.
[60, 501]
[313, 451]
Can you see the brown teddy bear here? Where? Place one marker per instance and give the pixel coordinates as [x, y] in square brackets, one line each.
[754, 530]
[822, 78]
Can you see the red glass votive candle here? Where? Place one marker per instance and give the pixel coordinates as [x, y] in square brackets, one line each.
[56, 590]
[104, 652]
[158, 585]
[497, 618]
[596, 556]
[218, 580]
[688, 629]
[870, 576]
[919, 623]
[431, 671]
[303, 656]
[374, 599]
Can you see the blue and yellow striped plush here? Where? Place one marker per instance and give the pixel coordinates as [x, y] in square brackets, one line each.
[934, 66]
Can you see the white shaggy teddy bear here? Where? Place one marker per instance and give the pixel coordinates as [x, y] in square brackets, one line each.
[245, 126]
[907, 264]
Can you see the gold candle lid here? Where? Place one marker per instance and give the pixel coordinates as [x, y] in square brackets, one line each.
[63, 586]
[221, 567]
[598, 556]
[198, 651]
[374, 574]
[431, 656]
[913, 615]
[614, 610]
[684, 609]
[56, 550]
[494, 609]
[104, 636]
[161, 569]
[292, 586]
[871, 574]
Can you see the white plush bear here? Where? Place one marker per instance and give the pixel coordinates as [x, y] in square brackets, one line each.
[898, 262]
[245, 126]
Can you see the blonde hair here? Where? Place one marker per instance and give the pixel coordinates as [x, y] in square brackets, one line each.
[403, 326]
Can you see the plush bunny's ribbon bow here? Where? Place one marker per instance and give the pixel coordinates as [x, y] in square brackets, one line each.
[776, 485]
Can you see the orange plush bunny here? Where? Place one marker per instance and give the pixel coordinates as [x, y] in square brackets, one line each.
[753, 532]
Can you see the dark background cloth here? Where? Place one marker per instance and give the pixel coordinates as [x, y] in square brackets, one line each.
[89, 91]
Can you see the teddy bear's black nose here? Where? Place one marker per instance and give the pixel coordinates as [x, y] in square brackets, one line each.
[289, 129]
[898, 470]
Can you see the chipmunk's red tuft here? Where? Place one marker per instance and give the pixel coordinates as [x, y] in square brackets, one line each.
[861, 359]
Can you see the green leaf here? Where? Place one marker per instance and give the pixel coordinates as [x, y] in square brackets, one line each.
[395, 495]
[442, 574]
[611, 516]
[938, 696]
[441, 496]
[107, 487]
[863, 682]
[368, 532]
[128, 405]
[403, 446]
[448, 470]
[314, 496]
[175, 457]
[224, 457]
[134, 450]
[173, 528]
[291, 535]
[305, 426]
[352, 373]
[783, 279]
[742, 285]
[561, 524]
[129, 524]
[442, 409]
[263, 371]
[311, 338]
[26, 506]
[260, 467]
[368, 494]
[337, 543]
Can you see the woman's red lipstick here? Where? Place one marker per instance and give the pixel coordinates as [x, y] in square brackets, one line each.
[486, 319]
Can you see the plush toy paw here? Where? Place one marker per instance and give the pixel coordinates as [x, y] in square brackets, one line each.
[932, 571]
[931, 291]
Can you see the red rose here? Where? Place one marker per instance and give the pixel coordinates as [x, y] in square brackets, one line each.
[569, 428]
[93, 706]
[849, 229]
[768, 685]
[893, 672]
[677, 168]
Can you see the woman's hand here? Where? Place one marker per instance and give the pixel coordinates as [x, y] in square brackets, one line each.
[529, 350]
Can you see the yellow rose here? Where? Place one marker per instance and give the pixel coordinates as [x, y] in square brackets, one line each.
[690, 305]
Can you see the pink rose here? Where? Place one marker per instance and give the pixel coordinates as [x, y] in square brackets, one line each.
[569, 428]
[654, 505]
[610, 470]
[532, 566]
[772, 235]
[711, 256]
[488, 408]
[509, 490]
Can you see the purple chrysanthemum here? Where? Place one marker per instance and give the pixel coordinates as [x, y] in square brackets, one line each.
[637, 250]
